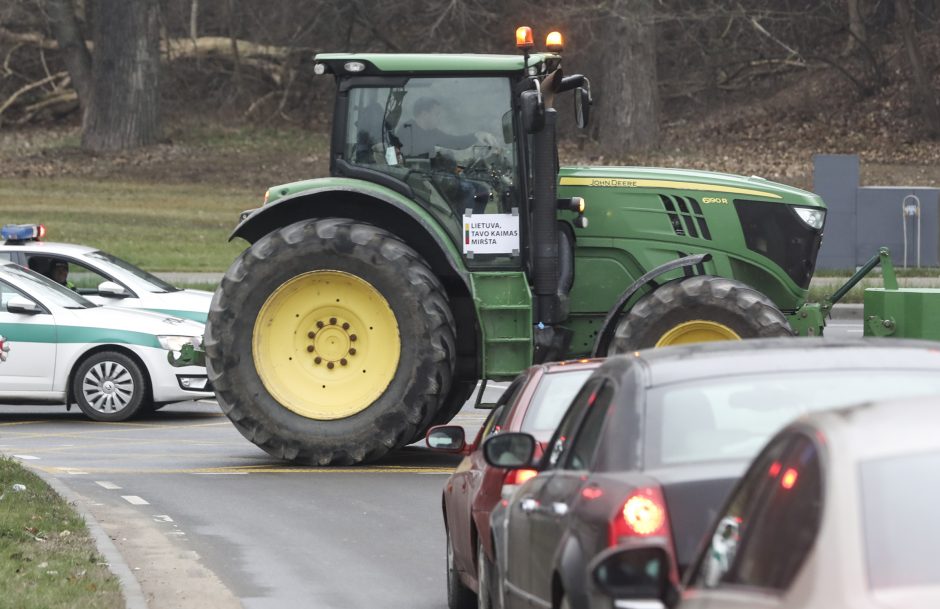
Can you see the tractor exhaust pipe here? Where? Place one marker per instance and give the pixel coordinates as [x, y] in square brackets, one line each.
[548, 309]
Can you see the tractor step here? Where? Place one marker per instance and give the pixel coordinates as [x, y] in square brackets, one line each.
[504, 306]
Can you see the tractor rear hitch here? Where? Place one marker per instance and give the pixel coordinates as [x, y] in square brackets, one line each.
[883, 257]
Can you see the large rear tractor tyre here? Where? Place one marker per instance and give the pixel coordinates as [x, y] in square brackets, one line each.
[698, 309]
[330, 342]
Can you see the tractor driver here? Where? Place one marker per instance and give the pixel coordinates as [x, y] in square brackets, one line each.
[423, 136]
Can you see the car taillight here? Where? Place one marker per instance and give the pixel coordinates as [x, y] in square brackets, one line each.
[514, 478]
[643, 514]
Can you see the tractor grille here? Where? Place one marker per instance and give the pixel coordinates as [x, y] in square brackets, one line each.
[774, 230]
[686, 217]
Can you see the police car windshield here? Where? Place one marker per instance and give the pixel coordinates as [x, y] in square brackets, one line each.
[47, 290]
[155, 284]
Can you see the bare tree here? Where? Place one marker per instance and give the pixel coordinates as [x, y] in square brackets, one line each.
[68, 34]
[123, 113]
[857, 34]
[624, 44]
[925, 98]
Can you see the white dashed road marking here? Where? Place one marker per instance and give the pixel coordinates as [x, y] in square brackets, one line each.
[135, 500]
[162, 518]
[107, 485]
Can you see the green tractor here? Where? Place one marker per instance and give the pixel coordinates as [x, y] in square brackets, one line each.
[448, 246]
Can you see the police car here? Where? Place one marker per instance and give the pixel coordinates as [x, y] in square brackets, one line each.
[101, 277]
[111, 362]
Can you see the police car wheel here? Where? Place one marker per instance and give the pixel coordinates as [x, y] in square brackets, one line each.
[109, 386]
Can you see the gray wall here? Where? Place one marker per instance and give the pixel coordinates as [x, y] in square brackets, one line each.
[862, 219]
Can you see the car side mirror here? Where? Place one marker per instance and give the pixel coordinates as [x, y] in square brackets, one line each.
[533, 111]
[446, 438]
[634, 576]
[24, 306]
[582, 106]
[111, 289]
[510, 450]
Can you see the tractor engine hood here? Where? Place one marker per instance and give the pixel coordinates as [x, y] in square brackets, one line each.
[701, 182]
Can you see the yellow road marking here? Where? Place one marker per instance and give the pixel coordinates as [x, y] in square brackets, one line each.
[258, 469]
[611, 182]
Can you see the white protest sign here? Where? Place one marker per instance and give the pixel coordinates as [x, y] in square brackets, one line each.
[491, 234]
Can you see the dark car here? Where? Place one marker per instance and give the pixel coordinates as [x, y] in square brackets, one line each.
[534, 403]
[655, 440]
[839, 511]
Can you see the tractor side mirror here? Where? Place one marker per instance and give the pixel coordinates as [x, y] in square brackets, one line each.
[582, 106]
[533, 111]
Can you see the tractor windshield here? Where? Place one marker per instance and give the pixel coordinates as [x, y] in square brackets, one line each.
[450, 139]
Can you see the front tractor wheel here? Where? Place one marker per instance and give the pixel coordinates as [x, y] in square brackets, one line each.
[330, 342]
[698, 309]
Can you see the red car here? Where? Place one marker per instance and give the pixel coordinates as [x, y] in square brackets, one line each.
[534, 403]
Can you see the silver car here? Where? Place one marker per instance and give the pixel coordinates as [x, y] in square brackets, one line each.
[839, 511]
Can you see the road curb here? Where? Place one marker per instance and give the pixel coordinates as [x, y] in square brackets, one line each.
[847, 311]
[130, 587]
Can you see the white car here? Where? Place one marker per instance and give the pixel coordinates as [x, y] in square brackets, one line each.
[111, 362]
[101, 277]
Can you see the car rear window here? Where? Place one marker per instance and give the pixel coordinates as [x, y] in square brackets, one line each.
[551, 400]
[900, 503]
[732, 417]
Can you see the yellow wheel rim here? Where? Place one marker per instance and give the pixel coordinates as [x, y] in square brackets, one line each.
[697, 331]
[326, 344]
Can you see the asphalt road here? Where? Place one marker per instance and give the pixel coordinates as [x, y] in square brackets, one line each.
[187, 487]
[275, 535]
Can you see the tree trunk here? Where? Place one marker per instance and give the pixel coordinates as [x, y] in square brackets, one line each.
[627, 96]
[123, 113]
[856, 26]
[68, 34]
[925, 98]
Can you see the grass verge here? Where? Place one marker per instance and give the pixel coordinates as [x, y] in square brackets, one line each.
[47, 557]
[159, 227]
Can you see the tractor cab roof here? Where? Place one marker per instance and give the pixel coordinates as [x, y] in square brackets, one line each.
[343, 64]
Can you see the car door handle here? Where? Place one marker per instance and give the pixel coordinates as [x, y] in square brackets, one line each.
[528, 505]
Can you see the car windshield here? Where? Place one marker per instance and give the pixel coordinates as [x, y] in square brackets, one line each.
[551, 400]
[47, 290]
[899, 513]
[732, 417]
[155, 284]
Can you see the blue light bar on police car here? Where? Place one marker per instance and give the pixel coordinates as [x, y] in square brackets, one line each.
[23, 232]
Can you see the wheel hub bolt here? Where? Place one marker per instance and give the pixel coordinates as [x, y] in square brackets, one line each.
[317, 360]
[345, 326]
[342, 362]
[320, 324]
[329, 365]
[352, 337]
[352, 351]
[309, 348]
[311, 334]
[332, 321]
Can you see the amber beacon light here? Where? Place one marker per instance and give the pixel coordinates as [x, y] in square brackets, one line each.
[524, 37]
[554, 42]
